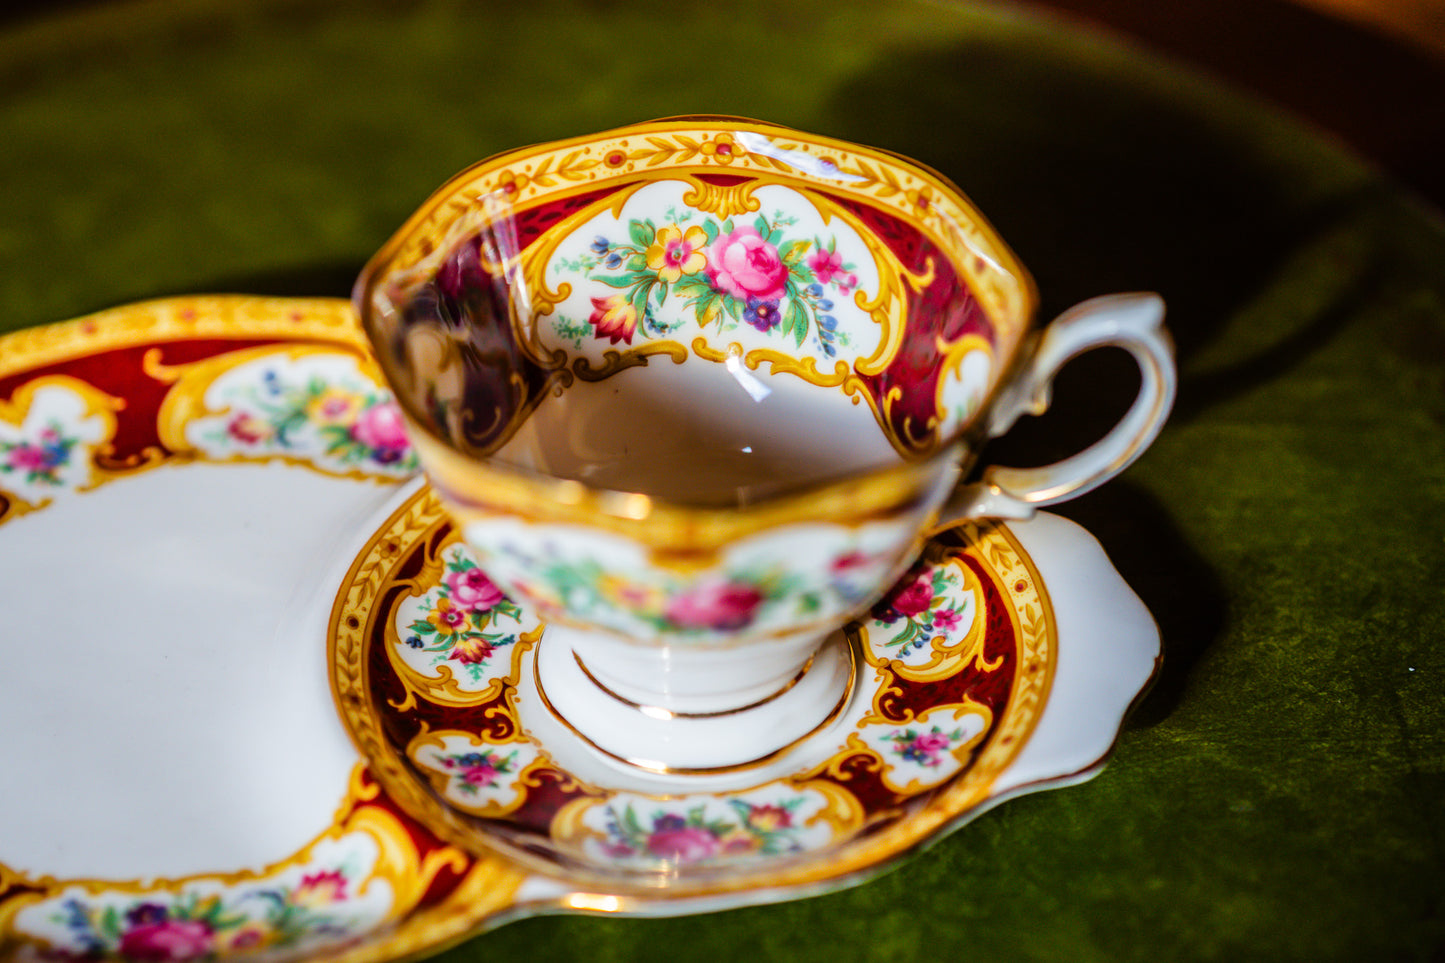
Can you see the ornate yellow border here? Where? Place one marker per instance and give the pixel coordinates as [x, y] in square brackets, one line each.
[182, 318]
[919, 196]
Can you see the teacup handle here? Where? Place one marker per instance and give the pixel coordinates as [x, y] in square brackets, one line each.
[1133, 322]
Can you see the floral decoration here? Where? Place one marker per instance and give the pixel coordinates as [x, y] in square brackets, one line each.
[477, 771]
[316, 410]
[922, 603]
[722, 273]
[723, 601]
[206, 926]
[693, 836]
[457, 620]
[924, 748]
[38, 461]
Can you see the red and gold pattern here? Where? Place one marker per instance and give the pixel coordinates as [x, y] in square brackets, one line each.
[926, 750]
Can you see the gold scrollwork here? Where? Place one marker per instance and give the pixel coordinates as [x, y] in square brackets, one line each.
[946, 657]
[442, 688]
[724, 200]
[185, 402]
[961, 753]
[840, 812]
[441, 781]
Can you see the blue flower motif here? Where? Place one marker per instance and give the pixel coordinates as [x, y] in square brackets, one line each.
[600, 244]
[271, 382]
[828, 323]
[614, 260]
[816, 290]
[414, 641]
[668, 821]
[762, 315]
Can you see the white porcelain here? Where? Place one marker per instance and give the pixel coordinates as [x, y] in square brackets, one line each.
[696, 389]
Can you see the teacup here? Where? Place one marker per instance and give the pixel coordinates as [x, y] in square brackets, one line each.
[697, 389]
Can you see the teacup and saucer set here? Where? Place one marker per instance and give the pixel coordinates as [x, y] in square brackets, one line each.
[617, 549]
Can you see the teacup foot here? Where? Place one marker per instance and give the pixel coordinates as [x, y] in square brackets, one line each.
[678, 741]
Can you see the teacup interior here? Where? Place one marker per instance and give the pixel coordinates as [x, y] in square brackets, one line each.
[698, 433]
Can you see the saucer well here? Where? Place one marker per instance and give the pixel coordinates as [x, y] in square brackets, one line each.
[197, 494]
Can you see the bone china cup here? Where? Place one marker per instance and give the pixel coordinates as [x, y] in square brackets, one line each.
[695, 389]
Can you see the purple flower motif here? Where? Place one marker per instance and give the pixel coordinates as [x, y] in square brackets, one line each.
[144, 913]
[763, 315]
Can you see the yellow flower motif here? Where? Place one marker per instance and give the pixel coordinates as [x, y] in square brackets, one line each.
[335, 406]
[446, 618]
[634, 597]
[674, 253]
[921, 199]
[738, 840]
[511, 183]
[722, 148]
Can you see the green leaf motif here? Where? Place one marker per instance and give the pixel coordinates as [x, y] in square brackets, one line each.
[793, 251]
[795, 322]
[642, 233]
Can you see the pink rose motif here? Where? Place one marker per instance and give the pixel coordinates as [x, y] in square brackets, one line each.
[825, 265]
[167, 940]
[480, 775]
[25, 457]
[380, 428]
[686, 844]
[472, 591]
[744, 265]
[715, 605]
[931, 743]
[910, 597]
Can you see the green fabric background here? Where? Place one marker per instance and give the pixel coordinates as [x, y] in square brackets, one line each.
[1280, 795]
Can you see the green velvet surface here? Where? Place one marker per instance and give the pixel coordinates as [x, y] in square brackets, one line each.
[1280, 794]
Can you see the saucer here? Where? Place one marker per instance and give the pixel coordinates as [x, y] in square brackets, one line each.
[195, 493]
[178, 481]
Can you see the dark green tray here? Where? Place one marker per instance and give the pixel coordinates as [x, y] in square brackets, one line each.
[1280, 794]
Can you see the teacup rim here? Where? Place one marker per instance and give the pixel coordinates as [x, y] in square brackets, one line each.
[882, 487]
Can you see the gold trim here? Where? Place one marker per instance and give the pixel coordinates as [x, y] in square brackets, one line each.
[918, 195]
[476, 488]
[649, 765]
[181, 319]
[443, 688]
[658, 712]
[841, 813]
